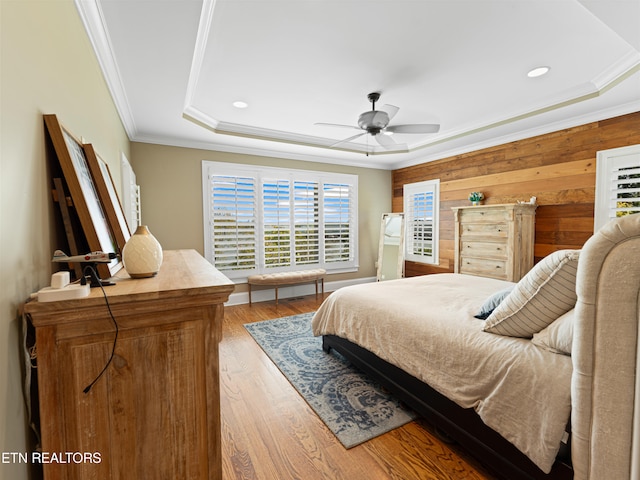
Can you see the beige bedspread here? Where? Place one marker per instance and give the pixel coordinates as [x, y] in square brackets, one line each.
[425, 326]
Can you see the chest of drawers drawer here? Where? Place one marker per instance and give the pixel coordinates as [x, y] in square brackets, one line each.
[484, 215]
[480, 249]
[486, 230]
[485, 267]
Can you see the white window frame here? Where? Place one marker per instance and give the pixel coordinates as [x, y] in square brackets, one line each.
[262, 174]
[130, 195]
[411, 192]
[608, 164]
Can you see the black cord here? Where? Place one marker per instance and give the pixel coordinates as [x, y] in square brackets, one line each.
[113, 319]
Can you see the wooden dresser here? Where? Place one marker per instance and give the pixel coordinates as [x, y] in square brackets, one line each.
[494, 240]
[155, 413]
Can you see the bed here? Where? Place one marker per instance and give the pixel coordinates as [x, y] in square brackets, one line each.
[545, 387]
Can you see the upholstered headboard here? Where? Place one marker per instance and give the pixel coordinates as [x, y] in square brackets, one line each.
[605, 385]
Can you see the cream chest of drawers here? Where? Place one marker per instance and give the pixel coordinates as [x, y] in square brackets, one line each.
[494, 240]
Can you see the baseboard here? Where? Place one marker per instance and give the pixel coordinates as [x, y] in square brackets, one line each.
[265, 294]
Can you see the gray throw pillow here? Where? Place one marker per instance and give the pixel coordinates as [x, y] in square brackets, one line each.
[491, 303]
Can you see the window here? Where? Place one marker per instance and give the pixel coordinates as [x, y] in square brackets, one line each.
[267, 219]
[421, 207]
[130, 195]
[617, 184]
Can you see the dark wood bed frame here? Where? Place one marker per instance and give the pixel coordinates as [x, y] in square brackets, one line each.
[463, 426]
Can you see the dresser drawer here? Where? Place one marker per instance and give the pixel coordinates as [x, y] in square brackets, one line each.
[496, 250]
[491, 230]
[485, 267]
[484, 215]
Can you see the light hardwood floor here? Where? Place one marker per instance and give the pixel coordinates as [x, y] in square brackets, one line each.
[270, 433]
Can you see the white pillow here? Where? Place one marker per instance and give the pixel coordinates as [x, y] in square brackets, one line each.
[540, 297]
[558, 336]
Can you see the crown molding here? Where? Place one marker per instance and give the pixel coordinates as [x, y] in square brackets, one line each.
[575, 121]
[619, 71]
[204, 27]
[93, 20]
[197, 116]
[259, 152]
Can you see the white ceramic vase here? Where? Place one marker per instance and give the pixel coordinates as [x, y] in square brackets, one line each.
[142, 254]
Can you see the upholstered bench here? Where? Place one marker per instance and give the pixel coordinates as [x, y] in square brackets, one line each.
[287, 278]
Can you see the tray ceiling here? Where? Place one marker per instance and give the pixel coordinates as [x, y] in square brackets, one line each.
[176, 67]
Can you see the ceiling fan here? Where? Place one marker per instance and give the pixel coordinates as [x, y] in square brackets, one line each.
[376, 123]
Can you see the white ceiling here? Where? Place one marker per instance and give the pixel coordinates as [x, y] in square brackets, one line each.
[175, 67]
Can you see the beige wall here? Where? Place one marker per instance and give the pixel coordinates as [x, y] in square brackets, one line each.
[170, 181]
[47, 66]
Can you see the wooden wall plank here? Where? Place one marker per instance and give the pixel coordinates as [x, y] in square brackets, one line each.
[558, 168]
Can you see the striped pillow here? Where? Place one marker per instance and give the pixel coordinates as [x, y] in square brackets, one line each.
[541, 296]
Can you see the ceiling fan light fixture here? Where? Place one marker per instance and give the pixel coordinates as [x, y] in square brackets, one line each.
[538, 72]
[376, 119]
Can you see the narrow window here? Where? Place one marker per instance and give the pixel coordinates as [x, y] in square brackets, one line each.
[421, 207]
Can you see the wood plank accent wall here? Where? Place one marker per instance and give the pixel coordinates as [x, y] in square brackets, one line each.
[559, 168]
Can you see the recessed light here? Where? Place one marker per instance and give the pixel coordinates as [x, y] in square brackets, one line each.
[240, 104]
[538, 72]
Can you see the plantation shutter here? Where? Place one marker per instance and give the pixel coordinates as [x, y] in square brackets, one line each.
[617, 184]
[265, 219]
[306, 221]
[338, 225]
[624, 198]
[421, 205]
[233, 222]
[276, 198]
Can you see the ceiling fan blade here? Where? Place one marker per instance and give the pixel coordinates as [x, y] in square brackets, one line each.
[414, 128]
[390, 110]
[337, 125]
[346, 140]
[389, 143]
[385, 140]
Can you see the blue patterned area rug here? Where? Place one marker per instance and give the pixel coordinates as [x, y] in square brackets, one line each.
[355, 408]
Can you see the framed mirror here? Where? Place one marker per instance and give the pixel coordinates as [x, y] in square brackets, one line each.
[391, 247]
